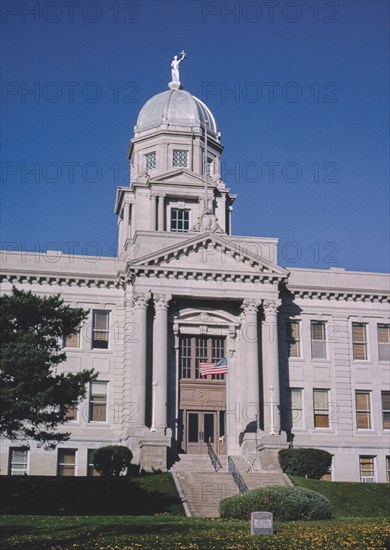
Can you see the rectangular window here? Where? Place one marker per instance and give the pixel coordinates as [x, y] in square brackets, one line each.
[386, 409]
[388, 469]
[180, 220]
[384, 342]
[150, 160]
[92, 471]
[293, 339]
[318, 339]
[67, 462]
[295, 411]
[98, 402]
[359, 341]
[180, 158]
[100, 329]
[367, 469]
[201, 354]
[363, 410]
[71, 412]
[185, 357]
[328, 475]
[195, 349]
[18, 461]
[72, 341]
[321, 408]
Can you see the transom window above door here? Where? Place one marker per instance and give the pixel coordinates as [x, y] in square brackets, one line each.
[194, 349]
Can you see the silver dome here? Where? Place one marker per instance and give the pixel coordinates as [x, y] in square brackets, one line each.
[177, 108]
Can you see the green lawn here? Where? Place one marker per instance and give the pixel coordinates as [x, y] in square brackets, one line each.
[170, 532]
[351, 499]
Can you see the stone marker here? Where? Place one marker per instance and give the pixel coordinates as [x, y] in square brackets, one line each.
[262, 523]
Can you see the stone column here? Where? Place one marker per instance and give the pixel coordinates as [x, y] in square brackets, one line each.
[138, 378]
[160, 358]
[161, 212]
[250, 363]
[271, 367]
[153, 200]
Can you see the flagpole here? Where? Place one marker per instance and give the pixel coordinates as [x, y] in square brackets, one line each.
[205, 165]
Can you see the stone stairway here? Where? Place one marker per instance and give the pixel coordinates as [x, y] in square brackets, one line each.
[201, 488]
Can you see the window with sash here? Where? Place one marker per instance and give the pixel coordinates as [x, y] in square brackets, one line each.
[295, 410]
[388, 469]
[321, 408]
[318, 339]
[293, 339]
[180, 220]
[367, 469]
[67, 462]
[92, 471]
[384, 342]
[386, 410]
[100, 329]
[72, 340]
[98, 402]
[363, 410]
[359, 341]
[18, 461]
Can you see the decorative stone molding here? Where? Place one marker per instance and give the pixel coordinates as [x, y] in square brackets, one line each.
[161, 301]
[250, 306]
[60, 280]
[208, 222]
[271, 306]
[140, 300]
[340, 295]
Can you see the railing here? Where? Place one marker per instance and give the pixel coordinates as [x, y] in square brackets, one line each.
[232, 469]
[214, 457]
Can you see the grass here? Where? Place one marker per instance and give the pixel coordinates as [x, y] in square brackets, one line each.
[170, 532]
[351, 499]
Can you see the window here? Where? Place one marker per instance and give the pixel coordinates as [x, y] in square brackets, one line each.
[295, 411]
[321, 408]
[100, 329]
[194, 349]
[384, 342]
[367, 469]
[66, 462]
[388, 469]
[180, 220]
[318, 339]
[150, 160]
[328, 474]
[92, 471]
[180, 158]
[98, 402]
[359, 341]
[293, 339]
[71, 412]
[72, 341]
[386, 409]
[363, 410]
[18, 461]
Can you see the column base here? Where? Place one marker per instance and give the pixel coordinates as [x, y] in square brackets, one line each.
[152, 454]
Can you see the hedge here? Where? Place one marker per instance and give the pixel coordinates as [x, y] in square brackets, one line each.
[311, 463]
[286, 503]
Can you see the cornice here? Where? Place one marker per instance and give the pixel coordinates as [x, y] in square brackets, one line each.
[340, 294]
[57, 279]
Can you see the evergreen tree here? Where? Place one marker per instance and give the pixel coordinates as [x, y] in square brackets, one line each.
[33, 397]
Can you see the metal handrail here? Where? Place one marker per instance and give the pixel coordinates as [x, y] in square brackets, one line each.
[232, 469]
[213, 457]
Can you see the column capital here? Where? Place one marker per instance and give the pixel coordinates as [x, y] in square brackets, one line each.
[250, 305]
[271, 306]
[140, 299]
[161, 301]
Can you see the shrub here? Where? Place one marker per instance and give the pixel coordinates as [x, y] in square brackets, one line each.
[286, 503]
[112, 460]
[312, 463]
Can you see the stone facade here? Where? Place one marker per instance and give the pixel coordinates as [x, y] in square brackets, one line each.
[307, 350]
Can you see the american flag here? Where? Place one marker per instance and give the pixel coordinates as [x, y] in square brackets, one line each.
[218, 367]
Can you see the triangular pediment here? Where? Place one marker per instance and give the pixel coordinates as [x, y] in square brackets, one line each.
[208, 254]
[179, 177]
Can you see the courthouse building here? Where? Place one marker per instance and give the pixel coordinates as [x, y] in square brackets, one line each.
[307, 350]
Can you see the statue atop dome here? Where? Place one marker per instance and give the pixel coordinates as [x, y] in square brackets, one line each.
[175, 83]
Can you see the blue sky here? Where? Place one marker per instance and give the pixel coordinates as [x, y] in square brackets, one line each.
[299, 90]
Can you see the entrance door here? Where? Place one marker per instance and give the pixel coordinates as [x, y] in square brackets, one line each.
[201, 429]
